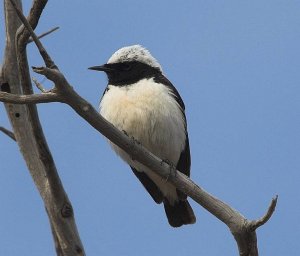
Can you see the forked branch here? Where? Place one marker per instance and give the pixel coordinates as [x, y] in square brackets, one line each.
[16, 87]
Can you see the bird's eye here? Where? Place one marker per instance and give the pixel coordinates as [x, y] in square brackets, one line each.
[126, 66]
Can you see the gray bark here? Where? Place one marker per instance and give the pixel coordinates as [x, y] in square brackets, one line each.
[28, 132]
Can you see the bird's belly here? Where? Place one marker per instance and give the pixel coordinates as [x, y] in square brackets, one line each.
[153, 118]
[152, 129]
[148, 113]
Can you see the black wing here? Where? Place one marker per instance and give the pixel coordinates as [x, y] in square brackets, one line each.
[160, 78]
[149, 185]
[184, 163]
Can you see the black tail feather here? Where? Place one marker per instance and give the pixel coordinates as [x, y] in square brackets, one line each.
[181, 213]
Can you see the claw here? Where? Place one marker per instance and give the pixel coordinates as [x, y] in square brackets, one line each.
[172, 169]
[135, 141]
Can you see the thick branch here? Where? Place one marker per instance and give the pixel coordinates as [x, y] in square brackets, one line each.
[28, 131]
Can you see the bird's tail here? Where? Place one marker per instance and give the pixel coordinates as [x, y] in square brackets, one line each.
[180, 213]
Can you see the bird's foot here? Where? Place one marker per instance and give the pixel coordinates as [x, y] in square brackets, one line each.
[172, 169]
[134, 142]
[134, 139]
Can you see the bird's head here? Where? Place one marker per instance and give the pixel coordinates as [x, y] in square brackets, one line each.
[129, 65]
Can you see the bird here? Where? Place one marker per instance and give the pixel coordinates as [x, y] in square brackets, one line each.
[140, 101]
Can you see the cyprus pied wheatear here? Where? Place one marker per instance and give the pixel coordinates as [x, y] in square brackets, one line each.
[141, 101]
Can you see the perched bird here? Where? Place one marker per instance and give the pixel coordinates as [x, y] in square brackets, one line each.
[143, 103]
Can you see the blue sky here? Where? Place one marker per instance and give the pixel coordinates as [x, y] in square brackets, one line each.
[235, 64]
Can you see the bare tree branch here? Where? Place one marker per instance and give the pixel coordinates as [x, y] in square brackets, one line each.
[253, 225]
[40, 86]
[29, 99]
[28, 131]
[8, 133]
[57, 243]
[239, 226]
[39, 6]
[30, 40]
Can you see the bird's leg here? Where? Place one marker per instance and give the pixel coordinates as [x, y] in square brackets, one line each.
[171, 168]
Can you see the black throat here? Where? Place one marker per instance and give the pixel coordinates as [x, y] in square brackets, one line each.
[130, 72]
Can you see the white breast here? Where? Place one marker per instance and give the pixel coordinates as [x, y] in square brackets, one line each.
[147, 111]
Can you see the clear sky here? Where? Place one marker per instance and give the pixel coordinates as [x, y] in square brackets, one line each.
[235, 64]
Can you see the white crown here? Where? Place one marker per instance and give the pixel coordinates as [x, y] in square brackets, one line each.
[134, 53]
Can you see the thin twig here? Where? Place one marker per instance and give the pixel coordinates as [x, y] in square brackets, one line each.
[253, 225]
[8, 133]
[30, 40]
[39, 85]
